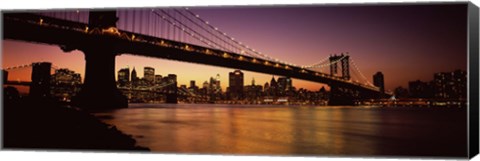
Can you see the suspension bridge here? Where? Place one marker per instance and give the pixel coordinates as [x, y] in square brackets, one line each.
[172, 33]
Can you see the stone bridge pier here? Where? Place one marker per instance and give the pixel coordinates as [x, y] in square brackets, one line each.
[99, 90]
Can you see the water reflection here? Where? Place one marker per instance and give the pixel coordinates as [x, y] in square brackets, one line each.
[280, 130]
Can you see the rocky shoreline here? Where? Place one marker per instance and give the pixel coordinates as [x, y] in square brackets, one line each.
[40, 123]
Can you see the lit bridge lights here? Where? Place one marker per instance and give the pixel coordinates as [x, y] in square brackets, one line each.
[234, 54]
[225, 55]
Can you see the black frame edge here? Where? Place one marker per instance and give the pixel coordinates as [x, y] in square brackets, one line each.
[473, 98]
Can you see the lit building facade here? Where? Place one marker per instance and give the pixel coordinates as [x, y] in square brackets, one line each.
[450, 84]
[235, 88]
[149, 75]
[123, 77]
[65, 84]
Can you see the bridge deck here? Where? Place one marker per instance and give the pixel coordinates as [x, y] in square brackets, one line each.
[39, 29]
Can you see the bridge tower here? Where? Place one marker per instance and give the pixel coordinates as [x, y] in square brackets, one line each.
[346, 67]
[99, 90]
[341, 95]
[344, 64]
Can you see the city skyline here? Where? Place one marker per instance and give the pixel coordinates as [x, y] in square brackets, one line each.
[410, 47]
[383, 79]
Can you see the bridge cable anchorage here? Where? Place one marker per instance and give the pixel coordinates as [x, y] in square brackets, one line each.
[233, 40]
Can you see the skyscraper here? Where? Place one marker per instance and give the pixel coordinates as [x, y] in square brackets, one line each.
[273, 90]
[450, 84]
[172, 89]
[284, 85]
[66, 76]
[172, 81]
[253, 92]
[40, 86]
[134, 77]
[215, 85]
[192, 84]
[193, 87]
[66, 84]
[149, 74]
[158, 79]
[123, 76]
[235, 85]
[379, 82]
[420, 89]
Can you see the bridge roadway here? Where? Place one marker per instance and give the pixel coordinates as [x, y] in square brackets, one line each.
[73, 35]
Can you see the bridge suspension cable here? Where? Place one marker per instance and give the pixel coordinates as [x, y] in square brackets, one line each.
[322, 61]
[17, 67]
[27, 66]
[185, 29]
[361, 74]
[216, 36]
[241, 45]
[321, 65]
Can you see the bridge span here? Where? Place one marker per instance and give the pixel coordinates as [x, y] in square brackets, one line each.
[101, 42]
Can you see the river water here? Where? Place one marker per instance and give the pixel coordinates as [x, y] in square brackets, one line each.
[293, 130]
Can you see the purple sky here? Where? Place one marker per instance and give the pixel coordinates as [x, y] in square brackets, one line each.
[404, 42]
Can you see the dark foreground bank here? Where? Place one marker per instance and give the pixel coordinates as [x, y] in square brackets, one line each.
[32, 123]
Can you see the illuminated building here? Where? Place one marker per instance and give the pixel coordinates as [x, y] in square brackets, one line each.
[172, 83]
[235, 88]
[253, 92]
[65, 84]
[172, 89]
[193, 87]
[273, 89]
[123, 76]
[158, 79]
[284, 86]
[450, 84]
[149, 75]
[214, 89]
[204, 90]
